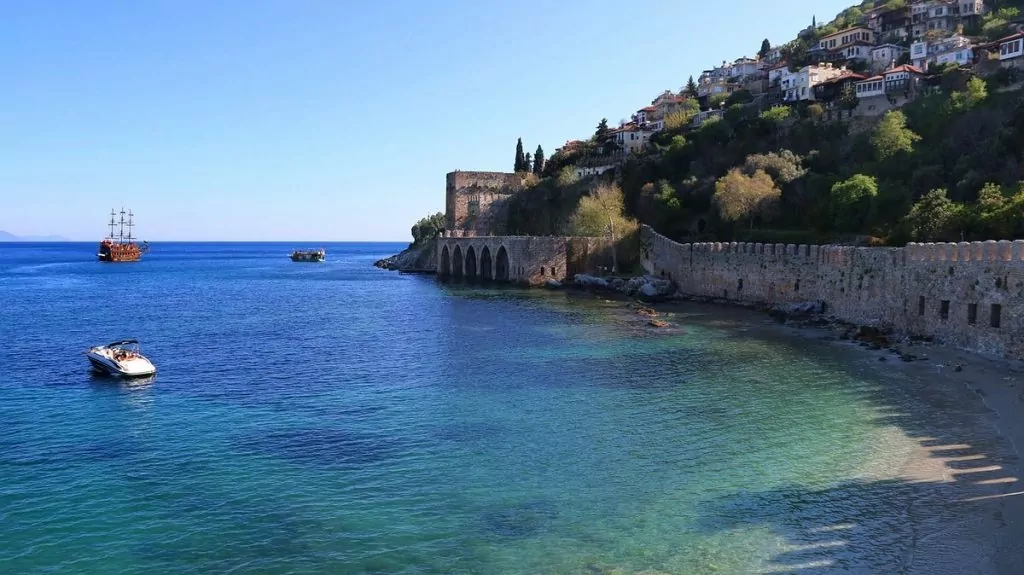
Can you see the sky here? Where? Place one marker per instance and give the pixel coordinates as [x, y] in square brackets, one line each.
[326, 120]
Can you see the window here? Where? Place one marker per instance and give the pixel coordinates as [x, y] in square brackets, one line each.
[944, 309]
[920, 305]
[995, 315]
[972, 313]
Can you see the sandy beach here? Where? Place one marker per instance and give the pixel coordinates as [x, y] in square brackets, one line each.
[961, 468]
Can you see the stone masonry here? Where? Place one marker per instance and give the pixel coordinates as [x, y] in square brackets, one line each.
[968, 295]
[473, 200]
[528, 260]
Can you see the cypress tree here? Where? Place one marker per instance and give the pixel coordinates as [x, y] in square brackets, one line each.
[691, 88]
[527, 162]
[538, 160]
[602, 135]
[766, 47]
[520, 159]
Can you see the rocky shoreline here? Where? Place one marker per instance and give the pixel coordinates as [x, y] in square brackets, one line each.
[648, 292]
[420, 259]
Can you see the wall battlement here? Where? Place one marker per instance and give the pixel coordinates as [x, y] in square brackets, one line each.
[967, 294]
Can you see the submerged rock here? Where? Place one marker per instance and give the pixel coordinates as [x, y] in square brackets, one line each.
[658, 323]
[590, 281]
[552, 284]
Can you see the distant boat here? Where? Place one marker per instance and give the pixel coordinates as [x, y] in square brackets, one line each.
[120, 358]
[308, 255]
[121, 248]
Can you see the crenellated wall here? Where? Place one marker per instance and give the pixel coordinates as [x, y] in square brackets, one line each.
[968, 295]
[530, 260]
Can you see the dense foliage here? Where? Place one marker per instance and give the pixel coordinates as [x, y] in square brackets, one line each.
[427, 228]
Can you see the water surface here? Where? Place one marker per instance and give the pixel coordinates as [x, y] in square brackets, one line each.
[336, 418]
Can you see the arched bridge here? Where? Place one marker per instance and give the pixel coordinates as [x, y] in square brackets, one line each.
[518, 259]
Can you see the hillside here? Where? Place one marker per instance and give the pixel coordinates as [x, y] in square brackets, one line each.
[944, 163]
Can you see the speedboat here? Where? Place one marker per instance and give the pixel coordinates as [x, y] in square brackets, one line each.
[120, 359]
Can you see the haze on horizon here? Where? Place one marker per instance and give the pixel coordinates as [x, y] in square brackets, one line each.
[321, 120]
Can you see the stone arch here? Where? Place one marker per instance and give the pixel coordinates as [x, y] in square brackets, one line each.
[457, 261]
[501, 265]
[470, 263]
[446, 262]
[486, 271]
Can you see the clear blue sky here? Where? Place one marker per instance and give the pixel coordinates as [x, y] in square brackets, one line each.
[322, 120]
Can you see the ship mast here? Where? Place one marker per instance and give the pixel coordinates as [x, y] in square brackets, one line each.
[120, 229]
[112, 224]
[130, 226]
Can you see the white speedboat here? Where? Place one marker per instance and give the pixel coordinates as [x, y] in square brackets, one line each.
[121, 359]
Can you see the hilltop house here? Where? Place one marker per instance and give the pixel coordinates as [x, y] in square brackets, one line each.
[799, 86]
[891, 89]
[956, 49]
[843, 39]
[829, 91]
[885, 56]
[1011, 51]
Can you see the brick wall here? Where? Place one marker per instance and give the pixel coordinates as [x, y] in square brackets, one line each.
[531, 260]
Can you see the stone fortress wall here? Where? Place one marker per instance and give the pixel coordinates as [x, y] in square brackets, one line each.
[466, 250]
[528, 260]
[474, 200]
[968, 295]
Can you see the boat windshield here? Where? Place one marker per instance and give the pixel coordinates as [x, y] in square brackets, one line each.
[129, 346]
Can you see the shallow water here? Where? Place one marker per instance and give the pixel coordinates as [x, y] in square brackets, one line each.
[336, 418]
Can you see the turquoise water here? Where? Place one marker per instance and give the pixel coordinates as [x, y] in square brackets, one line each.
[336, 418]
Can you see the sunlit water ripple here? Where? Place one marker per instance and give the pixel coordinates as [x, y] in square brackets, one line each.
[335, 418]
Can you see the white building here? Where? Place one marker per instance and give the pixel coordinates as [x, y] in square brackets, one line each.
[799, 86]
[956, 49]
[885, 56]
[743, 67]
[703, 117]
[586, 171]
[873, 86]
[1011, 51]
[631, 138]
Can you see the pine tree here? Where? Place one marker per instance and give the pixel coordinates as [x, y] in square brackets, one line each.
[602, 134]
[538, 160]
[520, 159]
[691, 88]
[766, 47]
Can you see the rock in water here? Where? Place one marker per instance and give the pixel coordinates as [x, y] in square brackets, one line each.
[552, 284]
[658, 323]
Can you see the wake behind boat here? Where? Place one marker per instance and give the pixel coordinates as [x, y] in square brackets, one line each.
[120, 359]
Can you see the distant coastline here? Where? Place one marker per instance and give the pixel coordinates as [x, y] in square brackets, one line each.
[9, 237]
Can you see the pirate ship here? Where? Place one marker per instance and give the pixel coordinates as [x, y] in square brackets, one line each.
[121, 248]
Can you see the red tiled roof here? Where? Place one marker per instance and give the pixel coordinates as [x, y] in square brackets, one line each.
[649, 109]
[1010, 37]
[873, 78]
[844, 76]
[905, 68]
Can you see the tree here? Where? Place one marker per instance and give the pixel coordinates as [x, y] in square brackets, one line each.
[892, 136]
[520, 158]
[932, 217]
[766, 48]
[603, 134]
[974, 94]
[538, 160]
[741, 197]
[852, 202]
[602, 213]
[427, 228]
[815, 111]
[776, 116]
[783, 166]
[691, 88]
[527, 162]
[848, 99]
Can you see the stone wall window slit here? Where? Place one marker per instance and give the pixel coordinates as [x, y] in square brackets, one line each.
[996, 315]
[944, 309]
[972, 313]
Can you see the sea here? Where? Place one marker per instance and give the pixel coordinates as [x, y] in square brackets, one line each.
[337, 418]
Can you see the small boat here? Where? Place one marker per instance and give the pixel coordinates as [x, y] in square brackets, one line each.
[308, 255]
[121, 248]
[120, 359]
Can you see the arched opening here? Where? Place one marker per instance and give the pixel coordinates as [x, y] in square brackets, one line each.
[485, 264]
[501, 265]
[457, 262]
[470, 263]
[446, 262]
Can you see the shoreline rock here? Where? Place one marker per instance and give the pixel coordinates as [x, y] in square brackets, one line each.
[413, 259]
